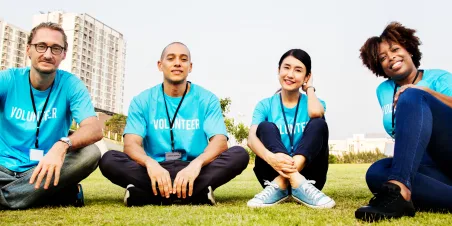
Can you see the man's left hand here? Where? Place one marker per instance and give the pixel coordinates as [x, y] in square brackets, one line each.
[186, 176]
[49, 165]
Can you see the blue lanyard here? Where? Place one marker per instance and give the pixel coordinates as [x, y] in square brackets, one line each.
[291, 135]
[42, 111]
[171, 122]
[393, 107]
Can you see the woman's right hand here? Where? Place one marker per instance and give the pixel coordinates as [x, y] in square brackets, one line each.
[282, 163]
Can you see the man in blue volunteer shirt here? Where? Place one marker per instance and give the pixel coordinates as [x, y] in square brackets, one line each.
[39, 163]
[175, 141]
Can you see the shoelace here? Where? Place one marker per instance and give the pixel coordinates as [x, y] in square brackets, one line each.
[312, 192]
[268, 190]
[383, 198]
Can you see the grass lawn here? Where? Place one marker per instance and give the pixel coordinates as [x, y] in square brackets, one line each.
[104, 205]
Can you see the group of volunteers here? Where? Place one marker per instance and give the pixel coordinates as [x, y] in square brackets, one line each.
[175, 139]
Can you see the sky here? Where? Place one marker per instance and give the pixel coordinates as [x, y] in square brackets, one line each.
[236, 46]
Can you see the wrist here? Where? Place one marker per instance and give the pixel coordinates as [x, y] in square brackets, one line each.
[197, 162]
[66, 141]
[149, 162]
[310, 88]
[62, 146]
[268, 156]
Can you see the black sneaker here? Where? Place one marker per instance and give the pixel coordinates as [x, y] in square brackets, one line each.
[389, 203]
[204, 198]
[136, 197]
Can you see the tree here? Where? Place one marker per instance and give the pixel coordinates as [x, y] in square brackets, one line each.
[225, 103]
[241, 132]
[116, 124]
[230, 128]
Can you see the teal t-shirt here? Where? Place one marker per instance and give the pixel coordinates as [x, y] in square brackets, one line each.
[435, 79]
[198, 119]
[269, 110]
[18, 123]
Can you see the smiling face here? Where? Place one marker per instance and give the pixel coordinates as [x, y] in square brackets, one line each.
[47, 62]
[292, 74]
[395, 60]
[175, 63]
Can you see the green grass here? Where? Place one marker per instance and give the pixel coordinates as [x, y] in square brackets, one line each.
[104, 206]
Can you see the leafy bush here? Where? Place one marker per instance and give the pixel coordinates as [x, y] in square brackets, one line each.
[251, 154]
[359, 157]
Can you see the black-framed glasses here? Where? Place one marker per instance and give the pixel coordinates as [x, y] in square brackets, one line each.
[42, 48]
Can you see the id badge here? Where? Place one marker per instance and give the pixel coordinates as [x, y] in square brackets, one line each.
[169, 156]
[36, 154]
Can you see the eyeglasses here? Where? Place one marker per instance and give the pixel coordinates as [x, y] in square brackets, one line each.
[42, 48]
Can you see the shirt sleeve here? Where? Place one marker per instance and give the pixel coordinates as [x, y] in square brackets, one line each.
[80, 102]
[136, 122]
[444, 84]
[260, 113]
[323, 104]
[214, 121]
[5, 83]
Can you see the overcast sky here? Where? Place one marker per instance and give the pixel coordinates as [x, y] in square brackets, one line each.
[236, 45]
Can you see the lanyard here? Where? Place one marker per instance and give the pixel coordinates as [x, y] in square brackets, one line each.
[291, 136]
[171, 122]
[393, 96]
[42, 111]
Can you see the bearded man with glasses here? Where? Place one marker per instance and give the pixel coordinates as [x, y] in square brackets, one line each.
[40, 164]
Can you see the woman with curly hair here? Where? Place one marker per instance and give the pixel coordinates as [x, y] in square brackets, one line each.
[417, 113]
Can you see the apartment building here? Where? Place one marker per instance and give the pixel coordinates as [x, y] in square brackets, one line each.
[13, 46]
[96, 54]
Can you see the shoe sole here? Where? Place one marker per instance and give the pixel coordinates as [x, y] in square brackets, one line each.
[372, 217]
[327, 205]
[127, 194]
[210, 196]
[267, 205]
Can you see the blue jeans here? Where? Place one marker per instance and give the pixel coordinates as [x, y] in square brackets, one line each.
[422, 152]
[17, 193]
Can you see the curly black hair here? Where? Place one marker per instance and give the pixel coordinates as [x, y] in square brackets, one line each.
[393, 33]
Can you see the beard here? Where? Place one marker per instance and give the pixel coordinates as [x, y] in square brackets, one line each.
[175, 82]
[45, 70]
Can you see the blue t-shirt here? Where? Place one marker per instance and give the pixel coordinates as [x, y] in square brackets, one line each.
[198, 119]
[69, 99]
[269, 110]
[435, 79]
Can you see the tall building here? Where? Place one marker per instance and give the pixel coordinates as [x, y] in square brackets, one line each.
[13, 43]
[96, 54]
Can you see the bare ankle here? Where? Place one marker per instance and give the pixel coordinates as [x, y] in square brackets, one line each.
[281, 182]
[404, 191]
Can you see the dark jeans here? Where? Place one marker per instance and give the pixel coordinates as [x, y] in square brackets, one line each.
[17, 193]
[120, 169]
[313, 146]
[422, 152]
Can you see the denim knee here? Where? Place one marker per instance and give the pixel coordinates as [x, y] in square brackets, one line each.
[377, 174]
[318, 124]
[266, 126]
[107, 162]
[410, 96]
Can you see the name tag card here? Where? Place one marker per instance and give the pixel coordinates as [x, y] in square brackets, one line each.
[36, 154]
[173, 156]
